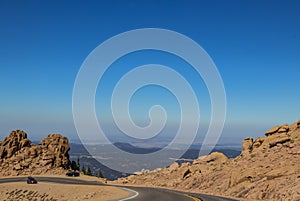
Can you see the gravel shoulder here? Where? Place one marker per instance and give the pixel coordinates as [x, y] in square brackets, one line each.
[44, 191]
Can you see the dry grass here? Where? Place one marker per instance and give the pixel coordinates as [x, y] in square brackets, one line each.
[20, 191]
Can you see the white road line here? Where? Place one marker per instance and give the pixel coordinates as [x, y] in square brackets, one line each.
[131, 197]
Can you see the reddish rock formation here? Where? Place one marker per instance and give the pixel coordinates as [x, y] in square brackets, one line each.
[13, 143]
[19, 156]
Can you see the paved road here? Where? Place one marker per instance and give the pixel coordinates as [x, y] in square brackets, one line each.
[57, 180]
[150, 194]
[137, 193]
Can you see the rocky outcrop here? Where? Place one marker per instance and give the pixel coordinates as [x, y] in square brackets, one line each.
[12, 143]
[56, 148]
[247, 146]
[19, 156]
[274, 136]
[174, 166]
[272, 131]
[267, 169]
[215, 157]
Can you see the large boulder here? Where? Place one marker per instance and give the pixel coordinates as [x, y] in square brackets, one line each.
[173, 167]
[272, 130]
[284, 129]
[215, 157]
[276, 139]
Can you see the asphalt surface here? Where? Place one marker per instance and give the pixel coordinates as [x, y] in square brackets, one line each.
[137, 193]
[152, 194]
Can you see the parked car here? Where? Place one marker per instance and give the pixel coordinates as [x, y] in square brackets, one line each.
[73, 174]
[31, 180]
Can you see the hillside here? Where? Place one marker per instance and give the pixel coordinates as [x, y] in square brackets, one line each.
[267, 169]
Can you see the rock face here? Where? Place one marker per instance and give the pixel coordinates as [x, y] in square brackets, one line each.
[267, 169]
[19, 156]
[56, 150]
[275, 136]
[12, 143]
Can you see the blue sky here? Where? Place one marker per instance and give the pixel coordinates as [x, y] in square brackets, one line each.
[254, 44]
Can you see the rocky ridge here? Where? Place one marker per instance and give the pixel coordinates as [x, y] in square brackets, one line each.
[19, 156]
[267, 169]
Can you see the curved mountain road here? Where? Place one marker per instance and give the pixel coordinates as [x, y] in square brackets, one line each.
[137, 193]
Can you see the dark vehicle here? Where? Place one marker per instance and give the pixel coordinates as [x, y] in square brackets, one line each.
[31, 180]
[73, 174]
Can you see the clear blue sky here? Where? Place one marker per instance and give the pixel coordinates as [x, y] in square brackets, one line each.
[254, 44]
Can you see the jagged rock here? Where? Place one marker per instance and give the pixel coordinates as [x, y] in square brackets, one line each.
[24, 164]
[17, 167]
[13, 143]
[17, 158]
[18, 153]
[258, 142]
[272, 130]
[247, 146]
[294, 126]
[275, 136]
[284, 129]
[186, 173]
[55, 148]
[173, 167]
[238, 177]
[11, 151]
[215, 157]
[273, 140]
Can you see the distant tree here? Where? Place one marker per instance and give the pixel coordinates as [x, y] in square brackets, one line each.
[89, 172]
[73, 165]
[83, 170]
[100, 175]
[78, 164]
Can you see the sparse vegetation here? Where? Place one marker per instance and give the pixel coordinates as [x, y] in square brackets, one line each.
[100, 175]
[89, 172]
[73, 165]
[78, 164]
[19, 194]
[83, 170]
